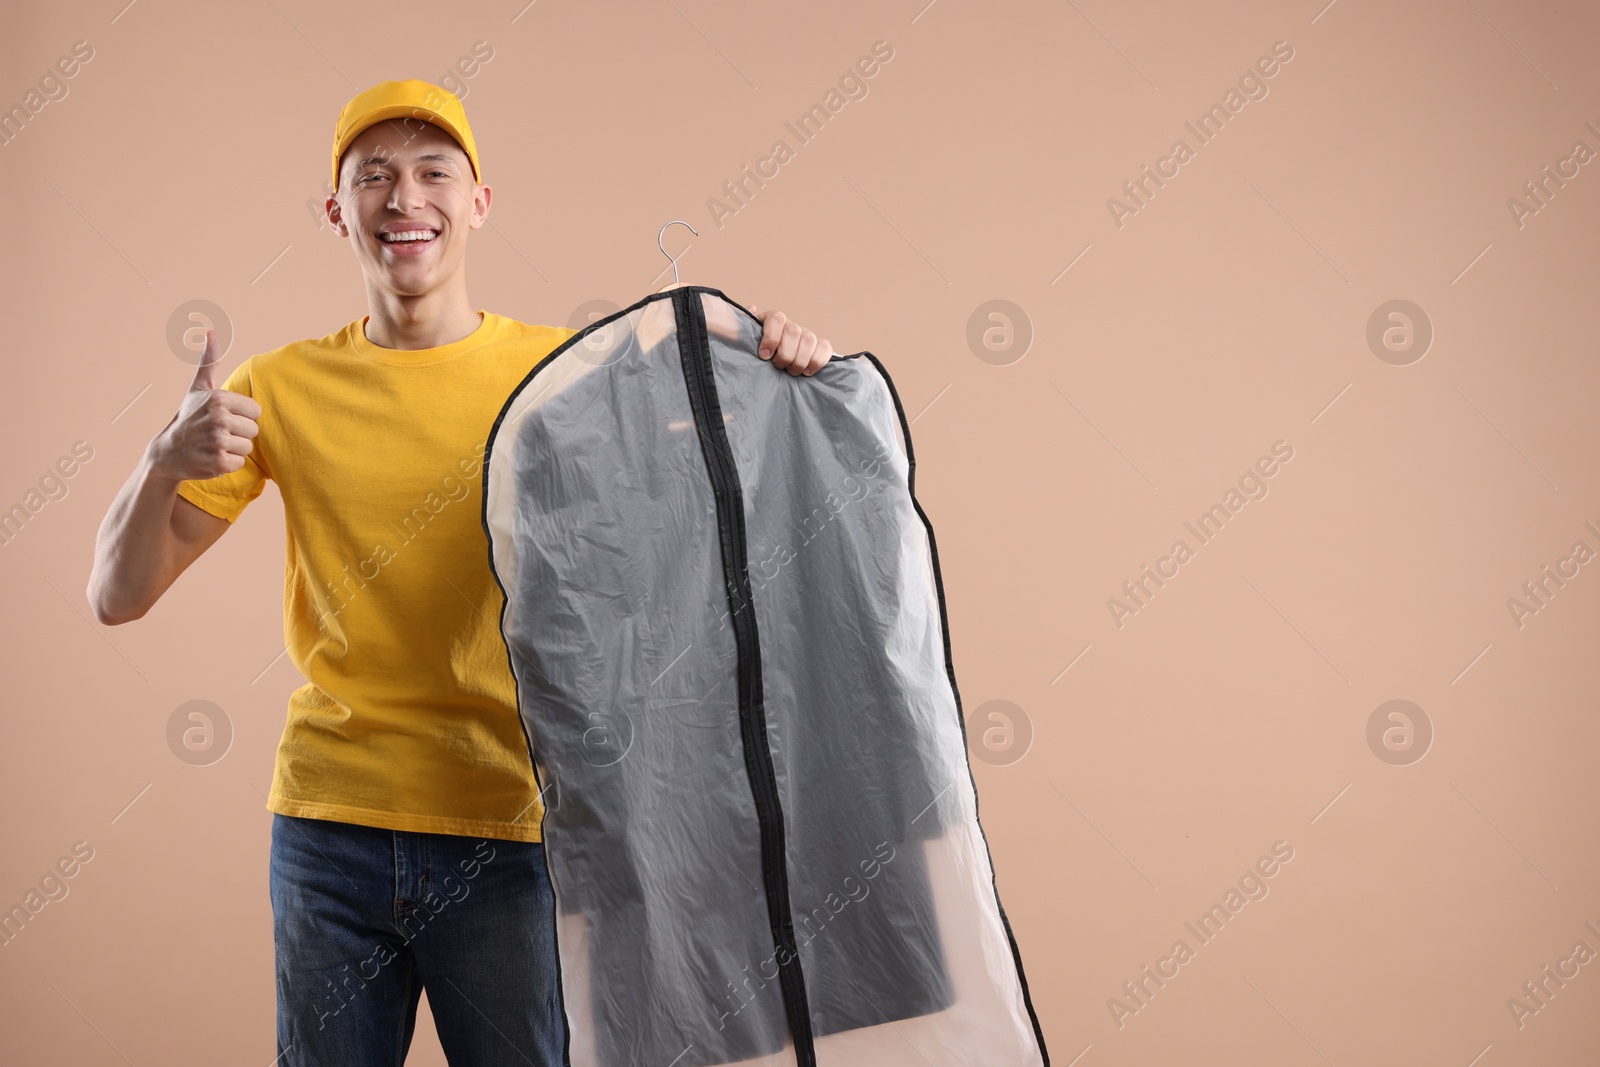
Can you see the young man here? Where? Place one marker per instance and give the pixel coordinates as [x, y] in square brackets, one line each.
[406, 847]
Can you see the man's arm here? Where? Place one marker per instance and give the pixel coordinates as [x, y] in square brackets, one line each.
[150, 535]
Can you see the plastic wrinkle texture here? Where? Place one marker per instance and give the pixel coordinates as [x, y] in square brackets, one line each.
[724, 615]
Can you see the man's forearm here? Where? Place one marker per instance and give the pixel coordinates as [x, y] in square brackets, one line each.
[134, 549]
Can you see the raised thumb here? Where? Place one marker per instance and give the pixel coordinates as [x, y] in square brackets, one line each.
[206, 375]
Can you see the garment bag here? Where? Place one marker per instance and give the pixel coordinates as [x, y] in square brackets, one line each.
[724, 615]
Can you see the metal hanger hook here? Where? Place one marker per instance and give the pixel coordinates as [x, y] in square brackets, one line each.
[670, 257]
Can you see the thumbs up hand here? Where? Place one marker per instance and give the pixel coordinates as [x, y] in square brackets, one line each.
[213, 430]
[206, 374]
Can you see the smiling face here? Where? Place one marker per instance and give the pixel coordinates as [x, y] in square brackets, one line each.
[407, 198]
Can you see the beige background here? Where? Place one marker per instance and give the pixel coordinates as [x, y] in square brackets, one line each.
[1229, 313]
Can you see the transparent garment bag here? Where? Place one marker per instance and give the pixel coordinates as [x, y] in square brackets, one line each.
[725, 621]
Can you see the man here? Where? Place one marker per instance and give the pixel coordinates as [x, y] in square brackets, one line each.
[406, 848]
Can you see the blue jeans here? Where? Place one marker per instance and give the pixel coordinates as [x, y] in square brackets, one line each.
[364, 919]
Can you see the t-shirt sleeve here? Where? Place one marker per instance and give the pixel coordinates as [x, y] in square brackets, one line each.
[226, 495]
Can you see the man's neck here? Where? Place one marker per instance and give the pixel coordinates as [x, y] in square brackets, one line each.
[427, 321]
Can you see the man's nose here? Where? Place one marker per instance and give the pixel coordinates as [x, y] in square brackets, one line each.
[406, 194]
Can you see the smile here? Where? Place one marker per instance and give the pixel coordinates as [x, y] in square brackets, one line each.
[408, 241]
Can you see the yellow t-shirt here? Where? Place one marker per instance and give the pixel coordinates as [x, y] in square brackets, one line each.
[409, 718]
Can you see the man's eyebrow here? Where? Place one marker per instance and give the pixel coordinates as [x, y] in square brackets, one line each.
[384, 160]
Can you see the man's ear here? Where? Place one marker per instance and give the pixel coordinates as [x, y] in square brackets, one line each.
[482, 194]
[336, 217]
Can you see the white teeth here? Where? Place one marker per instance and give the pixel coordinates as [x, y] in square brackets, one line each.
[407, 235]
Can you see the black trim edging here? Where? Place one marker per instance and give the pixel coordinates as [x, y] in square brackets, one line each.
[950, 670]
[944, 626]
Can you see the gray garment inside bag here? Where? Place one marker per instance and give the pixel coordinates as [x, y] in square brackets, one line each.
[726, 627]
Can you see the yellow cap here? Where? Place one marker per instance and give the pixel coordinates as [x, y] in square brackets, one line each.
[410, 99]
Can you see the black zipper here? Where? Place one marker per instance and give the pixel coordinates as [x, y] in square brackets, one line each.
[695, 351]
